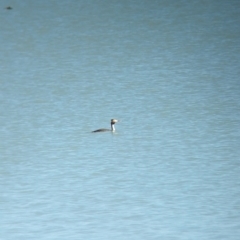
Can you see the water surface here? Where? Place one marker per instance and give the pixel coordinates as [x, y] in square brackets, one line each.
[169, 71]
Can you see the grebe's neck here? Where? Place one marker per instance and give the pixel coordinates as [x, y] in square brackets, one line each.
[112, 128]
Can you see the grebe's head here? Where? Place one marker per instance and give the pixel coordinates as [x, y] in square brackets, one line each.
[113, 121]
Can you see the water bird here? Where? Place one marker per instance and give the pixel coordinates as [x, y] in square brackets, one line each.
[113, 121]
[9, 8]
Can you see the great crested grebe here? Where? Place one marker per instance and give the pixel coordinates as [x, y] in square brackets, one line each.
[113, 121]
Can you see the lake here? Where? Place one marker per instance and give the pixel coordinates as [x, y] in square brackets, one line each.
[168, 71]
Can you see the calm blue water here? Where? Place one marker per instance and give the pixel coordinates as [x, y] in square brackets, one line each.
[169, 71]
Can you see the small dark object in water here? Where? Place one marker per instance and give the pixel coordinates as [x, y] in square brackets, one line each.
[9, 8]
